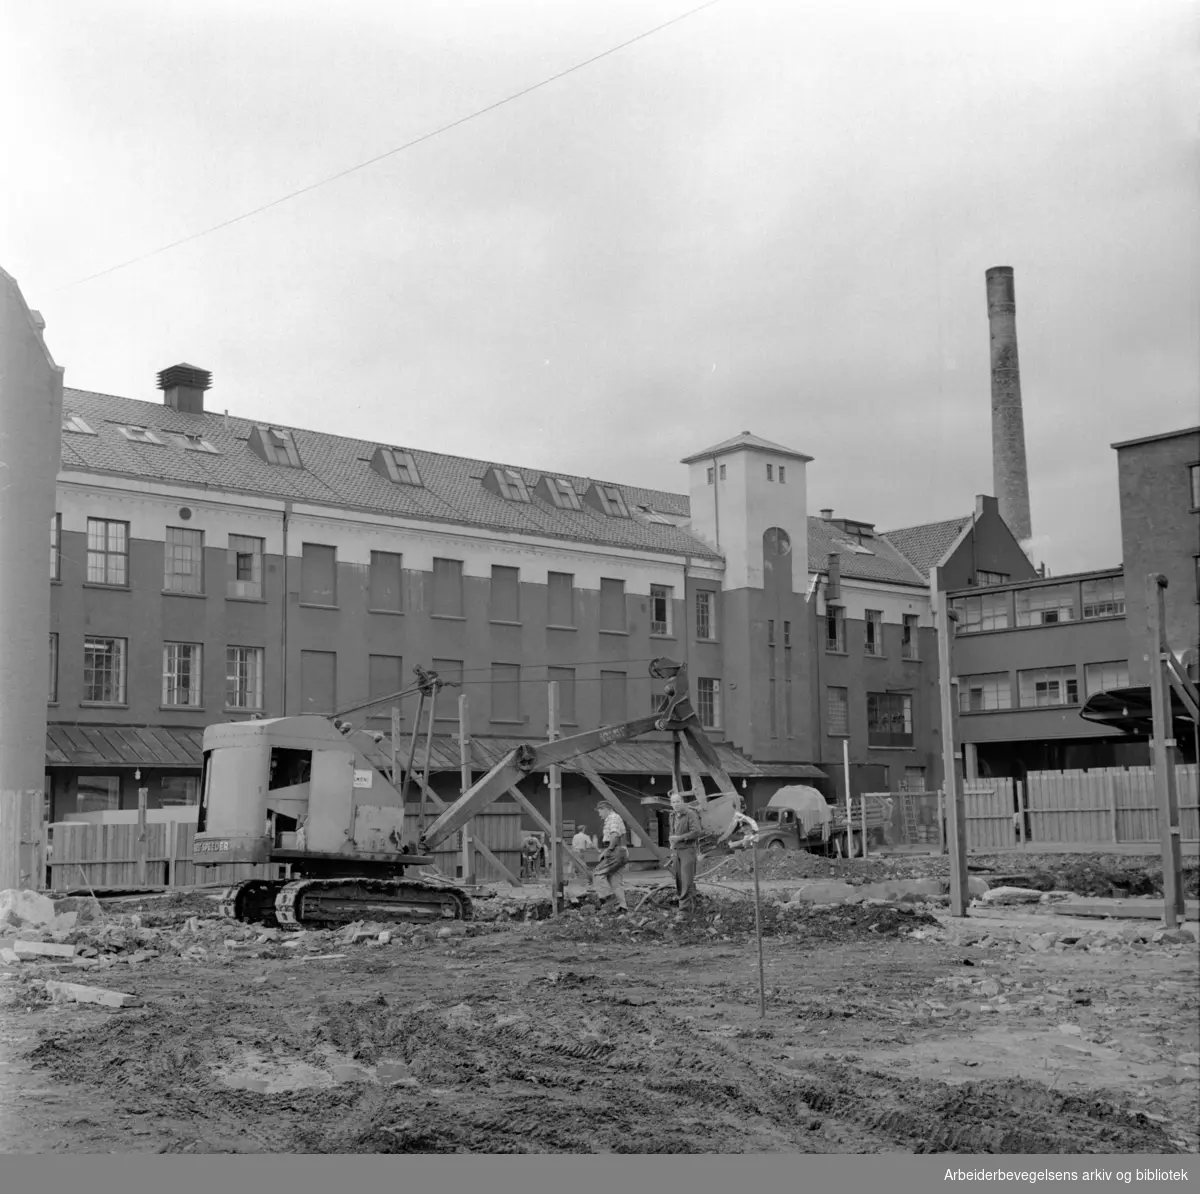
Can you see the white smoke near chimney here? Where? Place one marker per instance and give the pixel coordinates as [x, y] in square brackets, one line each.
[1036, 548]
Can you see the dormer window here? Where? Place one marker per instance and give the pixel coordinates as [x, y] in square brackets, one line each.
[607, 499]
[76, 423]
[140, 435]
[190, 442]
[397, 466]
[506, 483]
[558, 492]
[652, 515]
[275, 446]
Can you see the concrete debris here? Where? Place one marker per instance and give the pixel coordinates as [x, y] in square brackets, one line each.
[1011, 895]
[9, 956]
[74, 993]
[43, 949]
[1174, 936]
[31, 909]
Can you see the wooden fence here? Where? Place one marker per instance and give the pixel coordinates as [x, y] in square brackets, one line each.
[108, 855]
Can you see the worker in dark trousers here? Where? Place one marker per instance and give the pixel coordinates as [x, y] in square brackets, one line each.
[613, 860]
[685, 850]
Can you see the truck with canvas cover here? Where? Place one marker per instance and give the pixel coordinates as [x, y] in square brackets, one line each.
[798, 817]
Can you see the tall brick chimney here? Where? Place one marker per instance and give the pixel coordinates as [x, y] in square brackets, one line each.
[1010, 478]
[183, 388]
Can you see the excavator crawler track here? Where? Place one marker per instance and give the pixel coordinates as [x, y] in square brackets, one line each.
[252, 901]
[316, 903]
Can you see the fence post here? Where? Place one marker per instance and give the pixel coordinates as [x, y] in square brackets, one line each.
[1020, 811]
[1110, 782]
[143, 794]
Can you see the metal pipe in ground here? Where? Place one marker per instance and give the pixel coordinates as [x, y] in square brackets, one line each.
[762, 986]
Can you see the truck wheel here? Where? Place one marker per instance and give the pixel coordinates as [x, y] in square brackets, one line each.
[776, 844]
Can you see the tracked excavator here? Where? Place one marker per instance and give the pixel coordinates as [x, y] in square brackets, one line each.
[314, 795]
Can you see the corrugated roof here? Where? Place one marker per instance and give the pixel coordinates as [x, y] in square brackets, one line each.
[336, 471]
[925, 545]
[884, 564]
[122, 746]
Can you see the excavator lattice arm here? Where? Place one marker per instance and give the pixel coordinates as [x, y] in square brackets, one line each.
[677, 715]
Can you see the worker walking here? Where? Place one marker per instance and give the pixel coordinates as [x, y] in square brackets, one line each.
[579, 843]
[685, 836]
[613, 860]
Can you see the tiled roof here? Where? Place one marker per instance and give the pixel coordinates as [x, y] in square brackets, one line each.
[925, 545]
[336, 471]
[884, 564]
[745, 440]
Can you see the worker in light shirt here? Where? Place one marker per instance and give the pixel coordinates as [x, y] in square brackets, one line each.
[613, 825]
[579, 843]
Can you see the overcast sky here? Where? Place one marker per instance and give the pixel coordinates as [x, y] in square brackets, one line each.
[769, 216]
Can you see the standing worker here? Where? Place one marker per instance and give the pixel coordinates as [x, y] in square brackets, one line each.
[581, 842]
[613, 860]
[686, 831]
[612, 821]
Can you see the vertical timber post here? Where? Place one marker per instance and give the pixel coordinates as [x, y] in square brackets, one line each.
[395, 737]
[464, 765]
[956, 821]
[849, 809]
[556, 856]
[1162, 750]
[142, 857]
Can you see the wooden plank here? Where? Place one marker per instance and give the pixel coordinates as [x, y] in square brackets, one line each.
[142, 844]
[465, 779]
[516, 882]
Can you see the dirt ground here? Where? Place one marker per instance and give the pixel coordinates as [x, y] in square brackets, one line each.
[590, 1033]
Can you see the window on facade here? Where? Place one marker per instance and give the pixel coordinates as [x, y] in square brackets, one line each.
[140, 435]
[1102, 677]
[708, 702]
[183, 561]
[711, 475]
[506, 692]
[97, 793]
[835, 629]
[244, 677]
[612, 604]
[191, 443]
[910, 637]
[661, 602]
[889, 719]
[1104, 598]
[1196, 561]
[564, 677]
[53, 688]
[914, 779]
[722, 472]
[511, 485]
[178, 791]
[985, 578]
[77, 424]
[705, 614]
[181, 674]
[837, 711]
[984, 693]
[56, 547]
[770, 473]
[104, 671]
[787, 634]
[782, 475]
[986, 612]
[1194, 473]
[562, 493]
[448, 588]
[385, 678]
[560, 595]
[873, 627]
[108, 552]
[318, 574]
[245, 567]
[1042, 687]
[445, 706]
[318, 682]
[612, 698]
[399, 466]
[386, 583]
[1046, 607]
[770, 632]
[506, 594]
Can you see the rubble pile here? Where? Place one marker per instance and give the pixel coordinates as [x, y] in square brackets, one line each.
[1133, 938]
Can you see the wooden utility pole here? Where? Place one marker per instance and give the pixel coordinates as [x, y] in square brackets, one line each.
[849, 809]
[395, 743]
[956, 819]
[1162, 749]
[428, 751]
[464, 763]
[556, 854]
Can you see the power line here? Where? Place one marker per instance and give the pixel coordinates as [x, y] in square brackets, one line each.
[445, 128]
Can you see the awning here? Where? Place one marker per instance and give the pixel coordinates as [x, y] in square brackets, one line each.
[123, 746]
[626, 758]
[1130, 710]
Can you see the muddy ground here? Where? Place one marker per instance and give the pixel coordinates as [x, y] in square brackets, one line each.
[590, 1033]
